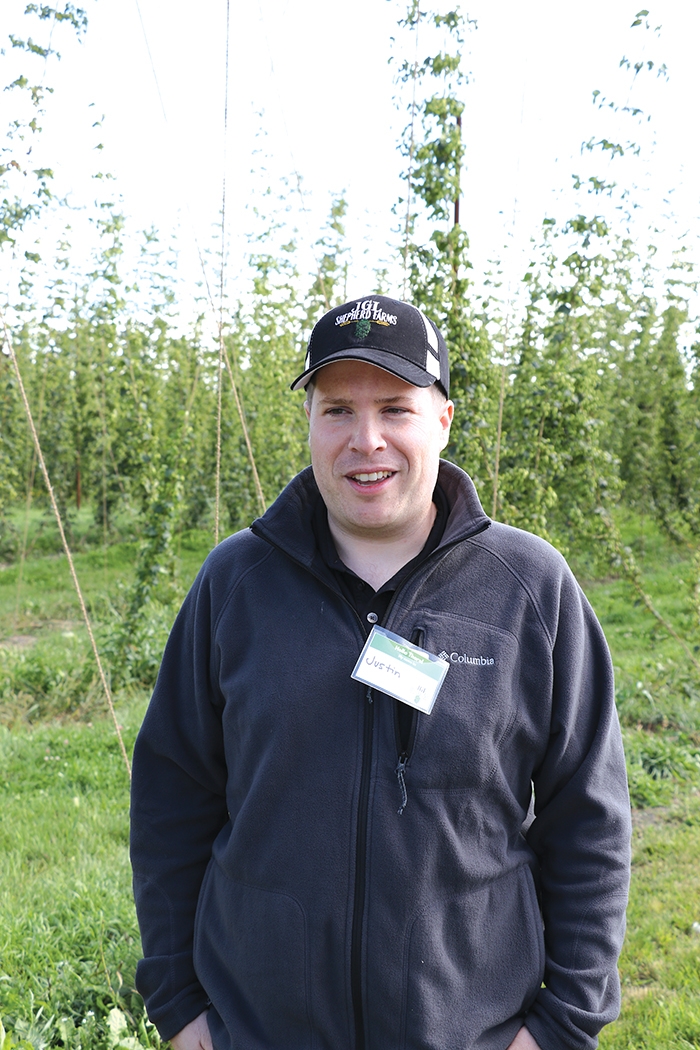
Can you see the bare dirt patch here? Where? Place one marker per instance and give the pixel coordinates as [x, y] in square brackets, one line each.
[18, 641]
[642, 818]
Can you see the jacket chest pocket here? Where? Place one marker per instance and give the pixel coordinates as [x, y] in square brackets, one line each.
[458, 744]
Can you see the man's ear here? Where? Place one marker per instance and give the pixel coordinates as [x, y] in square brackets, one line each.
[307, 409]
[446, 417]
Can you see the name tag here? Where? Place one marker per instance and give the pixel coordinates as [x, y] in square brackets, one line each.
[403, 670]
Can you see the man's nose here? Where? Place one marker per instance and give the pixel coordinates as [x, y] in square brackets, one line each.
[367, 435]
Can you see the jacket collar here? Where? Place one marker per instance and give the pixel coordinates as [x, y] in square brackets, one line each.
[287, 523]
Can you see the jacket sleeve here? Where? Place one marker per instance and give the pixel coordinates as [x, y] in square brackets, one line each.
[178, 807]
[581, 835]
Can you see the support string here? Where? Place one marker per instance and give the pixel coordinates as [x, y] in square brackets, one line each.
[7, 342]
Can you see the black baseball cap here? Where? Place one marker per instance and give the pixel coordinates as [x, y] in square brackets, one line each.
[388, 333]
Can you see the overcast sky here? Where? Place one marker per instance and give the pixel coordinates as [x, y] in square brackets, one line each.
[310, 95]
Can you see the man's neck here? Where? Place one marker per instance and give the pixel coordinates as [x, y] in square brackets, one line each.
[375, 559]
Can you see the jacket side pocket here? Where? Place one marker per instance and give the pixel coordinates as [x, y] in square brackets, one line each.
[473, 963]
[251, 957]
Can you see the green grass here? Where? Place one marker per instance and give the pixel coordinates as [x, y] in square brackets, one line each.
[69, 942]
[38, 594]
[660, 964]
[658, 699]
[47, 669]
[657, 681]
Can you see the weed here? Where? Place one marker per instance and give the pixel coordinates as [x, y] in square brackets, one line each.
[657, 763]
[50, 680]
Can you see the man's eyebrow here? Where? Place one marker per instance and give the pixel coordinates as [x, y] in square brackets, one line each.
[396, 399]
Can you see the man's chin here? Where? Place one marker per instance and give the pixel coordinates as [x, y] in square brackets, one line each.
[375, 526]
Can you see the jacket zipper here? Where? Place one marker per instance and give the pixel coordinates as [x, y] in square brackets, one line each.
[405, 747]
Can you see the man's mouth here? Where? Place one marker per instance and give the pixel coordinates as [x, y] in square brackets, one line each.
[372, 476]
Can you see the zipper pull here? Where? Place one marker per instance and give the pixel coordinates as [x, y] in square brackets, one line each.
[369, 697]
[400, 773]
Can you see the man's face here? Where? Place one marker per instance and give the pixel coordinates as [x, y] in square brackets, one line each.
[375, 447]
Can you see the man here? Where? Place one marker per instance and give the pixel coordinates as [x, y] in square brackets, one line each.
[322, 863]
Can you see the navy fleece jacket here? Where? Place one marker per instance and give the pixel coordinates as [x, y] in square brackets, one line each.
[275, 880]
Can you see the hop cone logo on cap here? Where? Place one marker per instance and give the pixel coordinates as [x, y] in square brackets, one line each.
[362, 329]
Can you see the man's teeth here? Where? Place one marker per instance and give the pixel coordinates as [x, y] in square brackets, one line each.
[376, 475]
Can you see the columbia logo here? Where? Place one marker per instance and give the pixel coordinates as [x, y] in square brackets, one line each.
[465, 658]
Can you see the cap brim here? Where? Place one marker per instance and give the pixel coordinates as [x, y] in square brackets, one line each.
[406, 370]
